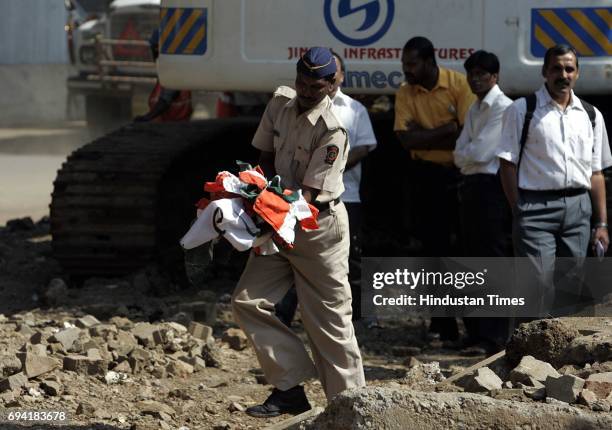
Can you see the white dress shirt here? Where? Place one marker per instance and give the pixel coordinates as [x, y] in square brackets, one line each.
[478, 144]
[562, 149]
[354, 117]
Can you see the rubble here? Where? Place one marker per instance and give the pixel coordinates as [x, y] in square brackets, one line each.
[482, 380]
[235, 338]
[600, 384]
[373, 408]
[545, 340]
[564, 388]
[530, 369]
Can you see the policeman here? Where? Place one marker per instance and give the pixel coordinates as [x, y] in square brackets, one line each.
[302, 141]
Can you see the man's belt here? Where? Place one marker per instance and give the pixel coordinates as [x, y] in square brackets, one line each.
[325, 206]
[566, 192]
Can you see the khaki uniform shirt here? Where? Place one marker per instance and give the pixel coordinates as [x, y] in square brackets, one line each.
[310, 149]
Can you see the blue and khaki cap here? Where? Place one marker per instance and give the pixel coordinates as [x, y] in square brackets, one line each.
[317, 63]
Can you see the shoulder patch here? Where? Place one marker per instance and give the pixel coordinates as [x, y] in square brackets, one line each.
[284, 91]
[332, 154]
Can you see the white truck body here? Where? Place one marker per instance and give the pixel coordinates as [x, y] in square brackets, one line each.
[253, 45]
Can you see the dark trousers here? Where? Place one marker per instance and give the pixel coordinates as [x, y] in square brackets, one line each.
[486, 228]
[285, 309]
[434, 203]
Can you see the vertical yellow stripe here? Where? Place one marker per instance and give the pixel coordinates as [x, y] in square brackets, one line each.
[197, 38]
[566, 32]
[592, 29]
[606, 16]
[178, 38]
[543, 38]
[170, 25]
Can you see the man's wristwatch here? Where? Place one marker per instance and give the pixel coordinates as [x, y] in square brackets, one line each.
[602, 225]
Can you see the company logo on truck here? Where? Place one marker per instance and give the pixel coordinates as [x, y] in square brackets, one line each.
[358, 22]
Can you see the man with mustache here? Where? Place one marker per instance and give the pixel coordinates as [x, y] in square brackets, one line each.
[430, 108]
[303, 142]
[551, 160]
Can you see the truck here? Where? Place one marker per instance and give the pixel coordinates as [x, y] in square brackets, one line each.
[112, 67]
[123, 201]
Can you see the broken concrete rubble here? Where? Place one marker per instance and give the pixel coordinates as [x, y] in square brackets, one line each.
[530, 369]
[564, 388]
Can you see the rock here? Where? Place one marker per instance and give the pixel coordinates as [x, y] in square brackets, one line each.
[6, 398]
[105, 331]
[535, 393]
[600, 384]
[588, 349]
[154, 408]
[123, 367]
[87, 321]
[570, 369]
[13, 382]
[176, 327]
[201, 331]
[56, 292]
[384, 408]
[144, 333]
[600, 405]
[9, 365]
[423, 375]
[66, 337]
[85, 365]
[85, 408]
[197, 363]
[545, 340]
[25, 330]
[411, 362]
[36, 365]
[36, 338]
[482, 380]
[124, 343]
[222, 425]
[211, 357]
[141, 355]
[236, 407]
[587, 398]
[179, 368]
[235, 338]
[564, 388]
[530, 368]
[121, 323]
[508, 385]
[51, 388]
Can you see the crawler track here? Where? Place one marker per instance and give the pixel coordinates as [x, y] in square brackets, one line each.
[124, 200]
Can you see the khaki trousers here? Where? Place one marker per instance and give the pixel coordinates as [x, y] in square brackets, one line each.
[318, 267]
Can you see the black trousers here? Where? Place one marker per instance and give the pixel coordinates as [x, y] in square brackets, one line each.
[486, 228]
[432, 195]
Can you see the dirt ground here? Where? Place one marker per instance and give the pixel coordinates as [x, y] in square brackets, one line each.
[209, 398]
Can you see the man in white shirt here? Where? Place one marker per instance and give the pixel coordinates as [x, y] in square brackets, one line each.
[483, 211]
[354, 117]
[548, 181]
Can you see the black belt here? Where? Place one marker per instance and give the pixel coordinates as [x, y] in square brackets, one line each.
[325, 206]
[567, 192]
[478, 177]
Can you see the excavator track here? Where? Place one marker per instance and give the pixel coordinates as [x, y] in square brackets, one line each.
[124, 200]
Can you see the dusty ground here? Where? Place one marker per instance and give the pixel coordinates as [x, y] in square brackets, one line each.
[201, 400]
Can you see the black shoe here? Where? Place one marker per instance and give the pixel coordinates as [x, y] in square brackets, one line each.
[292, 401]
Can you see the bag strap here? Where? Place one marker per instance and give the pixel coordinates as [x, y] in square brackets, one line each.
[531, 105]
[590, 110]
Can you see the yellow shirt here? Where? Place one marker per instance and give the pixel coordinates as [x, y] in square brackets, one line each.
[448, 101]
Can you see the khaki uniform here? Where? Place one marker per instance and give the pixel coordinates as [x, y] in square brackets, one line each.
[311, 150]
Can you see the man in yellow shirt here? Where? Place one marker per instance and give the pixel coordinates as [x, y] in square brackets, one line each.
[430, 108]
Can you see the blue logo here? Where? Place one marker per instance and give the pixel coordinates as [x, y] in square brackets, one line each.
[358, 25]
